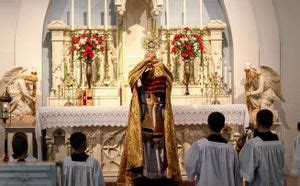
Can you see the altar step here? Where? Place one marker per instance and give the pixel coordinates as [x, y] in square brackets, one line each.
[183, 183]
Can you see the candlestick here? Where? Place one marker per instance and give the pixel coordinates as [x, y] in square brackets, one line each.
[72, 14]
[201, 12]
[167, 12]
[184, 12]
[89, 13]
[105, 14]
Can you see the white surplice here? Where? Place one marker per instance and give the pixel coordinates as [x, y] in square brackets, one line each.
[212, 164]
[296, 156]
[262, 162]
[87, 173]
[29, 159]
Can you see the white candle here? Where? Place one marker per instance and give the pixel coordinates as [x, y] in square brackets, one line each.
[105, 14]
[225, 72]
[229, 77]
[89, 13]
[184, 12]
[167, 12]
[201, 12]
[72, 14]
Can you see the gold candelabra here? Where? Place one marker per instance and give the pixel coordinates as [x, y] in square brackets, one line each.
[106, 80]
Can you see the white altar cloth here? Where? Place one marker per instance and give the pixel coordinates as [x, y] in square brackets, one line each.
[51, 117]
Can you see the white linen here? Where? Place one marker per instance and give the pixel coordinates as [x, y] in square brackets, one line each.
[212, 163]
[86, 173]
[296, 156]
[51, 117]
[29, 159]
[262, 162]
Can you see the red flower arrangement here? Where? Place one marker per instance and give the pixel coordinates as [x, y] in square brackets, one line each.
[86, 44]
[188, 44]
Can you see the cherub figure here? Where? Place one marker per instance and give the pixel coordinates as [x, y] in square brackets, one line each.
[22, 89]
[262, 88]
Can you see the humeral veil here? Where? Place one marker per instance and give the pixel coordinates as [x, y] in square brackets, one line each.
[133, 163]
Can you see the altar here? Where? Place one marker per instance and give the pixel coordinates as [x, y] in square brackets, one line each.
[105, 128]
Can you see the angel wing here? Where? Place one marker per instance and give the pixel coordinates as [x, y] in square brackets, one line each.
[10, 77]
[272, 80]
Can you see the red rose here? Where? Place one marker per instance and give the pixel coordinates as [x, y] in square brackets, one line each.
[187, 28]
[99, 42]
[76, 40]
[173, 41]
[196, 36]
[101, 48]
[85, 54]
[180, 35]
[89, 41]
[191, 54]
[174, 49]
[83, 36]
[184, 54]
[91, 54]
[87, 48]
[74, 48]
[94, 36]
[188, 47]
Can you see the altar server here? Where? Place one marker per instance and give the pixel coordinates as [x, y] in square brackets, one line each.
[212, 161]
[262, 158]
[79, 168]
[20, 149]
[296, 154]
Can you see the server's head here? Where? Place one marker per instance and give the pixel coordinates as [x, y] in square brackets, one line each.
[264, 118]
[78, 141]
[216, 121]
[19, 144]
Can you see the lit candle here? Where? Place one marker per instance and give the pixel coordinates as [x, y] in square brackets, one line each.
[167, 12]
[72, 14]
[5, 113]
[89, 13]
[201, 12]
[105, 14]
[184, 12]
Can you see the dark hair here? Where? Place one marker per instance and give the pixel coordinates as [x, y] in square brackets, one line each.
[78, 140]
[298, 126]
[19, 144]
[216, 121]
[264, 118]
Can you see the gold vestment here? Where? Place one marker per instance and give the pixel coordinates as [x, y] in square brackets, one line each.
[132, 156]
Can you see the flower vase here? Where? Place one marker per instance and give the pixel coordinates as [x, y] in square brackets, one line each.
[89, 73]
[186, 77]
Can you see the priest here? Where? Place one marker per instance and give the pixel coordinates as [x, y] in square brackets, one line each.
[150, 146]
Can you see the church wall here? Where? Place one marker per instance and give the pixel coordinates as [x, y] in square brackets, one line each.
[244, 41]
[255, 38]
[28, 47]
[9, 10]
[287, 12]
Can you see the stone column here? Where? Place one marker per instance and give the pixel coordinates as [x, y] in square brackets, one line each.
[215, 28]
[57, 29]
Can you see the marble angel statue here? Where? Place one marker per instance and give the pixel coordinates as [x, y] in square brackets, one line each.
[22, 89]
[262, 88]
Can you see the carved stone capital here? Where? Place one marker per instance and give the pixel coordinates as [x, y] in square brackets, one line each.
[58, 25]
[120, 7]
